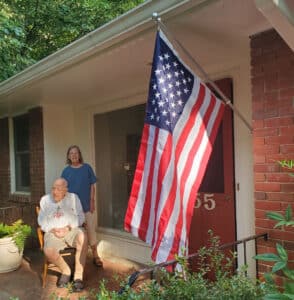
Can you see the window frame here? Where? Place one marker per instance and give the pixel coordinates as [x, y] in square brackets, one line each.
[23, 190]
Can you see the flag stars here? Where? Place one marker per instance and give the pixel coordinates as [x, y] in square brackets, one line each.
[166, 56]
[160, 103]
[164, 112]
[161, 80]
[170, 88]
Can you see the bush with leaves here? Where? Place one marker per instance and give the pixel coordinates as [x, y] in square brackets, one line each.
[281, 261]
[189, 285]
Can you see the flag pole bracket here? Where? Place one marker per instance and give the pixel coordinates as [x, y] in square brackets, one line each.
[156, 18]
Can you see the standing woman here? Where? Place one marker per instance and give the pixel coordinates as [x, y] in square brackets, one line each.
[81, 181]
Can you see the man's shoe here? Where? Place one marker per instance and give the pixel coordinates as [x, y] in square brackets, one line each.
[63, 281]
[78, 285]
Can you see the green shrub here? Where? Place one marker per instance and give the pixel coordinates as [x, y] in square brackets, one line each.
[18, 231]
[188, 285]
[281, 261]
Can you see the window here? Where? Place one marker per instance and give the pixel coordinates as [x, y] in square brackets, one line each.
[117, 142]
[21, 153]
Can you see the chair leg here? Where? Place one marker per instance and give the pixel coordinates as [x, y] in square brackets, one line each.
[45, 269]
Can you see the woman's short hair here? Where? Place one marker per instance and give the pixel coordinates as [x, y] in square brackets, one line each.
[68, 161]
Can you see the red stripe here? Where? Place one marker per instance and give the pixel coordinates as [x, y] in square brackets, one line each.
[191, 119]
[179, 147]
[194, 190]
[164, 163]
[148, 197]
[166, 213]
[187, 170]
[137, 178]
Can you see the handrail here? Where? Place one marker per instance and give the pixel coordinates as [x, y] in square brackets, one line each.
[134, 276]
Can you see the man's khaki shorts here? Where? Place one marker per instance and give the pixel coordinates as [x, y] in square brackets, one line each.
[51, 241]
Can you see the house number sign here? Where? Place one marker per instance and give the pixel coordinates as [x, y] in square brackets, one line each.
[207, 201]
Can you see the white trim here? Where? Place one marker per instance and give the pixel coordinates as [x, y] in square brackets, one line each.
[13, 190]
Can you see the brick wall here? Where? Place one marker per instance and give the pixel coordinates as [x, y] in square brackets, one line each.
[272, 76]
[15, 206]
[36, 154]
[4, 160]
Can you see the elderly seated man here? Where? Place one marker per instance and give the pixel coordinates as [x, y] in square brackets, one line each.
[61, 216]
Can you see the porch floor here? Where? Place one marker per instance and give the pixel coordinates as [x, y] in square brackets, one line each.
[25, 282]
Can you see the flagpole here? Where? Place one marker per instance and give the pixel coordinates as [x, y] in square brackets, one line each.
[205, 76]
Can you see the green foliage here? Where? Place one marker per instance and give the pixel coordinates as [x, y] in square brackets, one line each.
[281, 260]
[284, 220]
[195, 285]
[18, 231]
[287, 164]
[32, 29]
[15, 53]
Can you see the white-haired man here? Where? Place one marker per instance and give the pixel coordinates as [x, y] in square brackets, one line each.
[61, 217]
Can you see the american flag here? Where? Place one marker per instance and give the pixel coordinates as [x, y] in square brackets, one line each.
[181, 122]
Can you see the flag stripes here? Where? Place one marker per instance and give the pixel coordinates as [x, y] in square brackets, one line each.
[173, 155]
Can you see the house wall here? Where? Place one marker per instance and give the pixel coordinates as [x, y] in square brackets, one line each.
[237, 67]
[14, 206]
[64, 126]
[272, 76]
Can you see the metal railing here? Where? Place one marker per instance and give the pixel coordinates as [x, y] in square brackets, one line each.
[172, 263]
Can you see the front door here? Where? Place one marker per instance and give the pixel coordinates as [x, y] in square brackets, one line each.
[215, 205]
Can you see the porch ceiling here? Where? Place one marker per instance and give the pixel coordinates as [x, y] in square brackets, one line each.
[213, 31]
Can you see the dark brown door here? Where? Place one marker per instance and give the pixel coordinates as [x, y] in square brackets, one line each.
[215, 205]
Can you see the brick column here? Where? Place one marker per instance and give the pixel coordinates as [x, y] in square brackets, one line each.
[4, 161]
[272, 75]
[36, 154]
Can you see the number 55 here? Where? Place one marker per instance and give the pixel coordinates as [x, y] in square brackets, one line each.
[209, 202]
